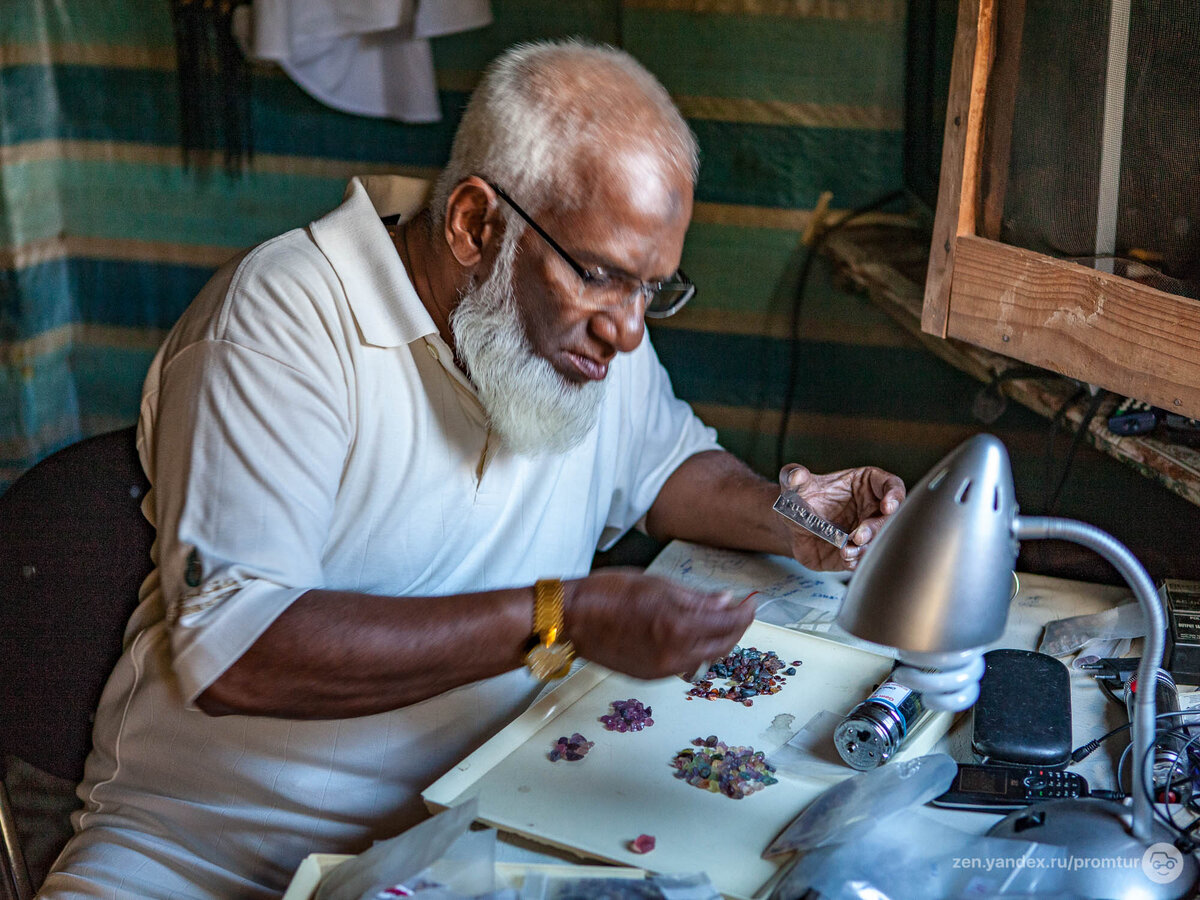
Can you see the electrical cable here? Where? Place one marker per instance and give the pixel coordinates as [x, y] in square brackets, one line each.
[797, 300]
[1056, 420]
[1167, 818]
[990, 403]
[1106, 688]
[1083, 752]
[1076, 440]
[1184, 835]
[1121, 766]
[1184, 752]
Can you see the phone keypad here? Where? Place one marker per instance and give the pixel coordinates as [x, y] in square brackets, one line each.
[1051, 784]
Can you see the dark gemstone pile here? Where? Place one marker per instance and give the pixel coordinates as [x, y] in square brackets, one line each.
[748, 672]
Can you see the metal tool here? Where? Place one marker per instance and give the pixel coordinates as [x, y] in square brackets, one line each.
[792, 507]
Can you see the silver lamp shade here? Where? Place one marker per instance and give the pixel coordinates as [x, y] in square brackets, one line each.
[938, 577]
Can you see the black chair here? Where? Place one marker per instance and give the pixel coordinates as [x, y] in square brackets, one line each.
[74, 549]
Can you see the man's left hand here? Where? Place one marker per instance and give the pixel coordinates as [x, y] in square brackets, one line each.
[856, 500]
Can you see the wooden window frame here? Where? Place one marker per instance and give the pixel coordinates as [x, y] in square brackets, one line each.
[1099, 328]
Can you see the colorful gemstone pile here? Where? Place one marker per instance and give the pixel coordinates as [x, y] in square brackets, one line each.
[571, 749]
[733, 771]
[628, 715]
[748, 671]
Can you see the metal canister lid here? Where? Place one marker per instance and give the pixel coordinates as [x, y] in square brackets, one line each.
[864, 742]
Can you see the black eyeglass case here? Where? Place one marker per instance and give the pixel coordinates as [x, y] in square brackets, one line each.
[1023, 715]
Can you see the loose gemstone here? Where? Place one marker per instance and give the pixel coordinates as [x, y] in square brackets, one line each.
[643, 843]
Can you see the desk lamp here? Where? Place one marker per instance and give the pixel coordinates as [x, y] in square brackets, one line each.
[936, 585]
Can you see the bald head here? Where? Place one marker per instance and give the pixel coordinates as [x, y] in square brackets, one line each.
[547, 117]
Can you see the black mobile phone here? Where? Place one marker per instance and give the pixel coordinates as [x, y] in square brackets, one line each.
[987, 788]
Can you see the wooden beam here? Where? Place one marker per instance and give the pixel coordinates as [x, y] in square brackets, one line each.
[1001, 104]
[1100, 328]
[957, 181]
[981, 71]
[863, 255]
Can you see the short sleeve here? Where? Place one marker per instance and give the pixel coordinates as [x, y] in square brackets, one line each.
[248, 454]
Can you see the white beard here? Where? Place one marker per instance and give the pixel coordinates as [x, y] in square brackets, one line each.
[530, 406]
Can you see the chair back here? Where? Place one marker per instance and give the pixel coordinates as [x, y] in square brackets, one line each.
[74, 549]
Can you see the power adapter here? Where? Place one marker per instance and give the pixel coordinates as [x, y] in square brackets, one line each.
[1182, 655]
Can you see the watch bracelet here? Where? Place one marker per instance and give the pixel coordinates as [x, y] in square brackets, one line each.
[549, 599]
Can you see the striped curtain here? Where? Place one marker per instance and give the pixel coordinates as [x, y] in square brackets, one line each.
[105, 236]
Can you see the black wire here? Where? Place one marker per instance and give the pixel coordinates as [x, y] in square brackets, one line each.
[1184, 840]
[1089, 414]
[617, 15]
[1148, 789]
[797, 299]
[985, 410]
[1091, 746]
[1018, 372]
[1137, 777]
[1086, 750]
[1056, 420]
[1108, 692]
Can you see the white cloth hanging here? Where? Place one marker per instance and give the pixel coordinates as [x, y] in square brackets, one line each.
[370, 57]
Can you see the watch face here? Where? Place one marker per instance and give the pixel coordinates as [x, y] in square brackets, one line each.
[552, 661]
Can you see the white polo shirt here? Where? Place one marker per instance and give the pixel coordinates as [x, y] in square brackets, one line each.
[304, 426]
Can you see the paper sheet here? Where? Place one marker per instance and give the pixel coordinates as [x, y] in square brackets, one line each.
[786, 592]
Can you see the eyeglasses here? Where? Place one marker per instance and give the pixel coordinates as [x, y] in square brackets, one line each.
[663, 298]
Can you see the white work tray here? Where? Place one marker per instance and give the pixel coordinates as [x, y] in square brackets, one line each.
[625, 786]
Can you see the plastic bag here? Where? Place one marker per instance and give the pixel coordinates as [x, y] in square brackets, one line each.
[544, 886]
[1063, 636]
[408, 855]
[858, 803]
[926, 860]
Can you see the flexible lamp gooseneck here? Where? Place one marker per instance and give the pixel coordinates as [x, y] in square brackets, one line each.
[936, 585]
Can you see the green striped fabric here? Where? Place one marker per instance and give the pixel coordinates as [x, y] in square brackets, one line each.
[105, 237]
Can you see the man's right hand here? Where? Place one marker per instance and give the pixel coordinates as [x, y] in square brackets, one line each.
[648, 626]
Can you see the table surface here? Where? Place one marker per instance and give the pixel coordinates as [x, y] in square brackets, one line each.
[795, 597]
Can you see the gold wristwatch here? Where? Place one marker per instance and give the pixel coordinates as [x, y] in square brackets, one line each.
[549, 656]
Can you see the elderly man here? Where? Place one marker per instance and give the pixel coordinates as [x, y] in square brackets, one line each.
[382, 457]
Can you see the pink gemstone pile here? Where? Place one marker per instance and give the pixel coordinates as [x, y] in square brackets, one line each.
[628, 715]
[571, 749]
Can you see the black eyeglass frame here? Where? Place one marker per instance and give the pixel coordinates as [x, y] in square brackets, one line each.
[684, 285]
